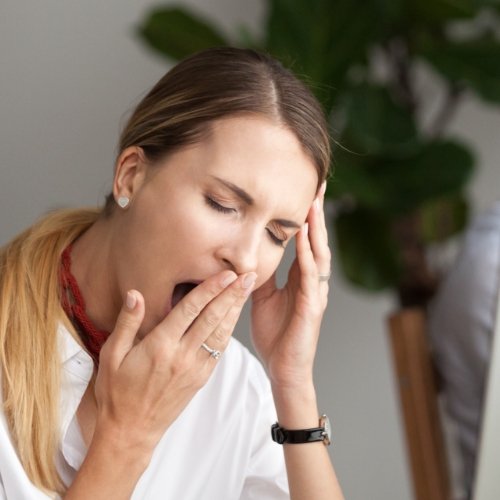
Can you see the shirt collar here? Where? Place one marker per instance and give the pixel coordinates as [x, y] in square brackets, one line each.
[73, 356]
[68, 346]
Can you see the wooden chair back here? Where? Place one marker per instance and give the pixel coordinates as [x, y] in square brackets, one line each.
[419, 405]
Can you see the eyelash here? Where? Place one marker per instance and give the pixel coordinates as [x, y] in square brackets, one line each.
[226, 210]
[217, 206]
[275, 239]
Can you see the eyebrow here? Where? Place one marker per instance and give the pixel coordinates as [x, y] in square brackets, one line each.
[241, 193]
[245, 197]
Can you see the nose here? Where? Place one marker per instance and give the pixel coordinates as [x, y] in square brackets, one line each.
[240, 251]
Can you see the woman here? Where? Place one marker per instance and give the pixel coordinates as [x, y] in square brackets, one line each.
[119, 375]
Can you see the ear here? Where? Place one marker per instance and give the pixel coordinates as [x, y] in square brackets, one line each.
[130, 172]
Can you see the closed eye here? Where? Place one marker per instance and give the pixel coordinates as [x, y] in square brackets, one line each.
[217, 206]
[228, 210]
[275, 239]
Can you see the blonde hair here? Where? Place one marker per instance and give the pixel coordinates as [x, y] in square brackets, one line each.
[177, 111]
[29, 315]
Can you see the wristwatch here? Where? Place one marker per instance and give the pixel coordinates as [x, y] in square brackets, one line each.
[298, 436]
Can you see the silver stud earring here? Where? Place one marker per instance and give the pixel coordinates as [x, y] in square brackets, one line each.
[123, 201]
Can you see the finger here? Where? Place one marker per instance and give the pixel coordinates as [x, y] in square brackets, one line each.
[220, 338]
[307, 264]
[127, 325]
[321, 196]
[190, 307]
[322, 191]
[318, 238]
[208, 324]
[265, 290]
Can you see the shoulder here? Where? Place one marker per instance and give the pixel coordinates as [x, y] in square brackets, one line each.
[462, 315]
[488, 221]
[473, 280]
[482, 239]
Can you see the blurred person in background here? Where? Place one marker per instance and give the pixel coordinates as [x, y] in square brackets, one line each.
[461, 323]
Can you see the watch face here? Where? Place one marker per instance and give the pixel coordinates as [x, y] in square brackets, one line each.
[325, 423]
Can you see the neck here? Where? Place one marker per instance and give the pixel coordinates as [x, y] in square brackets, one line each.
[92, 267]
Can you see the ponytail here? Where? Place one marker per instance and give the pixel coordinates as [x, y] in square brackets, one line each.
[30, 312]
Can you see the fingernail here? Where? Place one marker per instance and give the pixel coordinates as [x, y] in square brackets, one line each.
[228, 279]
[248, 280]
[131, 300]
[305, 228]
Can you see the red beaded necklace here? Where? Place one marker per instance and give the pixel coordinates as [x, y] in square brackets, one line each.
[74, 306]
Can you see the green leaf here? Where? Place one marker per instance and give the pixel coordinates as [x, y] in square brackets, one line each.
[475, 64]
[376, 124]
[352, 179]
[367, 252]
[441, 168]
[443, 218]
[321, 38]
[177, 32]
[390, 11]
[247, 39]
[399, 185]
[438, 11]
[488, 3]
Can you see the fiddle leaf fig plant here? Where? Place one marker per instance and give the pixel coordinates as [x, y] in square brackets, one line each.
[399, 182]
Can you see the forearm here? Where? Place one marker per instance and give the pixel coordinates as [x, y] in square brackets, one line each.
[111, 469]
[310, 471]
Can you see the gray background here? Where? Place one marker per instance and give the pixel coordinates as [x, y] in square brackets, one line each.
[69, 73]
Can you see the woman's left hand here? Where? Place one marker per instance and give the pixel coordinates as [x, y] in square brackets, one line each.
[286, 322]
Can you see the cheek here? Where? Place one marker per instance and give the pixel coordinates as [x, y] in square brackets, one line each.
[198, 232]
[268, 263]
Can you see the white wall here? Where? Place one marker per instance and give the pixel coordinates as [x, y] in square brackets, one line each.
[68, 73]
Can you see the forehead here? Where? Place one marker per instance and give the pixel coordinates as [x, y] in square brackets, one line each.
[263, 157]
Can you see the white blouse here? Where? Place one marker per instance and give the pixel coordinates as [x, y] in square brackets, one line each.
[220, 447]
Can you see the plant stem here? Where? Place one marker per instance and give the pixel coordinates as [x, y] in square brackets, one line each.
[399, 58]
[447, 110]
[418, 283]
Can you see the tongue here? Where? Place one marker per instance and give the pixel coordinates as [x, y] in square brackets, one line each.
[180, 291]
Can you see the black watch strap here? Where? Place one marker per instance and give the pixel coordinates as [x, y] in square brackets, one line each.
[299, 436]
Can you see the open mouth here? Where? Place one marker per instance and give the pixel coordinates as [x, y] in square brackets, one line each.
[181, 290]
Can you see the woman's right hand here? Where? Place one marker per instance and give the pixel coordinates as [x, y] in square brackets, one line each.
[142, 386]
